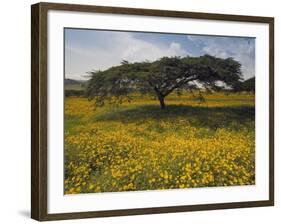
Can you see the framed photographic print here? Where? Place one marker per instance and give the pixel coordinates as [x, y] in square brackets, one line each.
[139, 111]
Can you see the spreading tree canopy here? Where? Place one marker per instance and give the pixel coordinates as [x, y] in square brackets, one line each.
[162, 77]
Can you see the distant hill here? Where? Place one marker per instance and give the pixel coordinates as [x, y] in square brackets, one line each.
[73, 82]
[247, 85]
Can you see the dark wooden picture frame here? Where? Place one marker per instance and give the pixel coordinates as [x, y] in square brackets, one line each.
[39, 107]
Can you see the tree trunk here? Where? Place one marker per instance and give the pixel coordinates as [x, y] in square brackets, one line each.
[161, 98]
[162, 102]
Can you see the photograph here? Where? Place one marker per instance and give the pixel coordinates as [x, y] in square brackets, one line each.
[157, 111]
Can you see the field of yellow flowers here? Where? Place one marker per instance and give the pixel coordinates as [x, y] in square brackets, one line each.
[137, 146]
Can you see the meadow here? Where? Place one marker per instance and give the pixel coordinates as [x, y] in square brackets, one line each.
[138, 146]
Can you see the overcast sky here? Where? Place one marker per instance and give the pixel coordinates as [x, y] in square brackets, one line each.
[87, 50]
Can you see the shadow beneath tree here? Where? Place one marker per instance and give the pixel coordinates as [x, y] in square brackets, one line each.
[203, 116]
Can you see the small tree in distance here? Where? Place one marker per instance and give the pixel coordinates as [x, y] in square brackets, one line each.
[161, 77]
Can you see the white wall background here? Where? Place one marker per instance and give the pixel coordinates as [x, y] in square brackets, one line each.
[15, 111]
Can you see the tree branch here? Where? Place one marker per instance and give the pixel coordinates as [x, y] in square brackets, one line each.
[180, 83]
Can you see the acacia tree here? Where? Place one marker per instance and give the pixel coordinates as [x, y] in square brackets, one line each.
[161, 77]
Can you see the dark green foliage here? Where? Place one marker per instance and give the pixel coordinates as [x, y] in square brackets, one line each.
[247, 86]
[162, 77]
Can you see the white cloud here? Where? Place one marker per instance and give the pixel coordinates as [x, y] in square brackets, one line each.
[238, 48]
[117, 47]
[139, 50]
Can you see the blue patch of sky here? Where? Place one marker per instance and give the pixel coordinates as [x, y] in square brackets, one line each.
[100, 49]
